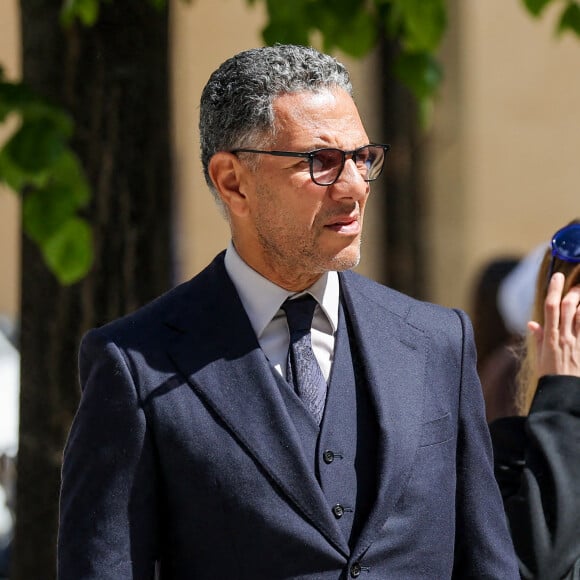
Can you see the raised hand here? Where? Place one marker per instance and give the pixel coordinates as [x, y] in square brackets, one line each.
[558, 341]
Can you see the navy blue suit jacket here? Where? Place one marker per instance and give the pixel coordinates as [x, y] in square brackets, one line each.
[182, 452]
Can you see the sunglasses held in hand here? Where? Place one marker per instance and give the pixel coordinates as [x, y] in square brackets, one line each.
[565, 246]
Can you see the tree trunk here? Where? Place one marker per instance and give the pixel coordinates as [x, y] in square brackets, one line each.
[404, 234]
[113, 79]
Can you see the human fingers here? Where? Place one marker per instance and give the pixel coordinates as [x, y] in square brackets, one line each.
[537, 332]
[569, 313]
[549, 359]
[570, 339]
[552, 306]
[577, 320]
[559, 346]
[535, 328]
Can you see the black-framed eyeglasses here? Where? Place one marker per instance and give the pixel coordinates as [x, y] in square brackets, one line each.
[326, 164]
[565, 246]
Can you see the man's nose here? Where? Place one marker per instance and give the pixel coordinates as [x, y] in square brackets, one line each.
[350, 183]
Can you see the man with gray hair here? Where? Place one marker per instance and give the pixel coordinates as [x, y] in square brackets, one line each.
[279, 416]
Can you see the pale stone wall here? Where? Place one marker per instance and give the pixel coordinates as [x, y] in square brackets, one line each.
[505, 144]
[9, 205]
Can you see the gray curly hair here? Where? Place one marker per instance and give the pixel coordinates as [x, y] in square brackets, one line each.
[236, 103]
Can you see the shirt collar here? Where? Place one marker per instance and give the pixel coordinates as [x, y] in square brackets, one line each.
[262, 298]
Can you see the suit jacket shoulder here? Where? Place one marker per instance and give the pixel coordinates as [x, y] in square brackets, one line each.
[422, 315]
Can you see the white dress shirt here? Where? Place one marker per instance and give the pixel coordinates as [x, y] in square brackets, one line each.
[262, 300]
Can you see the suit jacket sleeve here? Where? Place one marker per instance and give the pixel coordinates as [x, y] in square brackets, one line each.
[538, 468]
[108, 512]
[483, 548]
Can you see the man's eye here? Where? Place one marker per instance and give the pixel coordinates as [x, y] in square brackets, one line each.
[364, 158]
[326, 159]
[317, 164]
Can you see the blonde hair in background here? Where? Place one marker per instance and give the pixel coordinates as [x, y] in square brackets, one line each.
[527, 379]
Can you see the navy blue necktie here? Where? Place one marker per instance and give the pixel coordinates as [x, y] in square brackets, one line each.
[302, 369]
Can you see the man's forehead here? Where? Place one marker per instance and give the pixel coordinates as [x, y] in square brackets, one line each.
[315, 96]
[319, 114]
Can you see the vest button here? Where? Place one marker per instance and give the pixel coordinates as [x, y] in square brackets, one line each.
[338, 511]
[355, 570]
[328, 456]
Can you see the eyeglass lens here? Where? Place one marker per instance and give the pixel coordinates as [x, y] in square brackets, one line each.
[327, 164]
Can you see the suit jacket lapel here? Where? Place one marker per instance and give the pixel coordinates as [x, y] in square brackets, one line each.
[394, 354]
[216, 349]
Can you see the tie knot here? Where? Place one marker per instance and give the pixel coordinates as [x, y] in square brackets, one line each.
[299, 313]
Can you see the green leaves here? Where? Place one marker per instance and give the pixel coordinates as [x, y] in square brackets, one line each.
[346, 25]
[85, 11]
[287, 22]
[47, 208]
[569, 20]
[159, 4]
[38, 144]
[420, 23]
[420, 72]
[350, 26]
[535, 7]
[354, 26]
[69, 253]
[37, 162]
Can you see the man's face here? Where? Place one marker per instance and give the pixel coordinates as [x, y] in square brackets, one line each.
[294, 229]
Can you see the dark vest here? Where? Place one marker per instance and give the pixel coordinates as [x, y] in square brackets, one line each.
[342, 451]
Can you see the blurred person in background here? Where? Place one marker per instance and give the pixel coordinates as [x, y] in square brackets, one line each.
[502, 302]
[537, 454]
[9, 406]
[496, 344]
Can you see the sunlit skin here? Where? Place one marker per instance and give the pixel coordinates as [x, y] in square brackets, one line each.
[283, 225]
[558, 340]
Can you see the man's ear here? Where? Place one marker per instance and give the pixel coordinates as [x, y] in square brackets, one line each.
[229, 177]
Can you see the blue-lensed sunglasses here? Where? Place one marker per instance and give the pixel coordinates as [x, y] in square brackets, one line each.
[565, 246]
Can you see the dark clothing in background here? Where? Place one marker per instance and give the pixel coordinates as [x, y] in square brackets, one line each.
[537, 466]
[498, 380]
